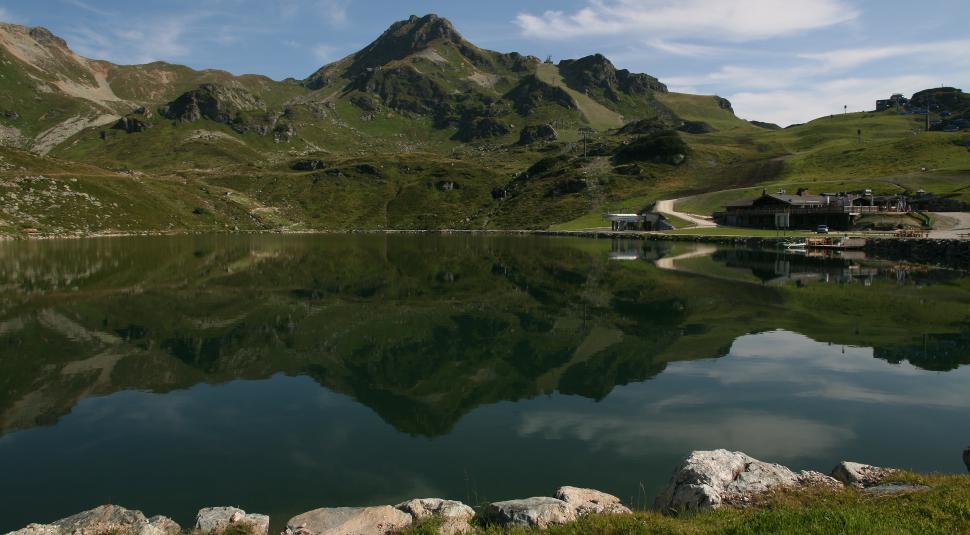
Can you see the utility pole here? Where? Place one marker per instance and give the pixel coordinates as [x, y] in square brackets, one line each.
[587, 133]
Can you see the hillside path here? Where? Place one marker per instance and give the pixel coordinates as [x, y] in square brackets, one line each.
[958, 231]
[666, 207]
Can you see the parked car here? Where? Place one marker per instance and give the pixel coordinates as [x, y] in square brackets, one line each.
[822, 229]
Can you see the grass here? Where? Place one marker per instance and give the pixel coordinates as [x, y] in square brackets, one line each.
[943, 509]
[599, 116]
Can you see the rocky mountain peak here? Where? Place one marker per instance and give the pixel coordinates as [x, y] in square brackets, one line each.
[596, 72]
[46, 37]
[405, 38]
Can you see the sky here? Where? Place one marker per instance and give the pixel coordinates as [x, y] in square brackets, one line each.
[782, 61]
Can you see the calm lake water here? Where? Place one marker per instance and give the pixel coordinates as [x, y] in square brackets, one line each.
[281, 374]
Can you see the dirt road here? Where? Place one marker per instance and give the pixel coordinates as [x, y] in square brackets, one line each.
[667, 208]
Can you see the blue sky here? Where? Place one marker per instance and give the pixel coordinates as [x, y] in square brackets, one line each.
[784, 61]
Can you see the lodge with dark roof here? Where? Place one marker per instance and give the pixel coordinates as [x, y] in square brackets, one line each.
[780, 210]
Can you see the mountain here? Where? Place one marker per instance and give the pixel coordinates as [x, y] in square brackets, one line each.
[420, 129]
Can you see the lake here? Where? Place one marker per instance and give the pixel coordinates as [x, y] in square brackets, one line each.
[284, 373]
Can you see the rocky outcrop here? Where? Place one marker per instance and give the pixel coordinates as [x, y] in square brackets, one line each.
[724, 104]
[861, 475]
[455, 516]
[696, 127]
[229, 105]
[308, 165]
[665, 147]
[645, 127]
[966, 458]
[215, 520]
[534, 134]
[105, 519]
[480, 128]
[283, 132]
[383, 520]
[531, 92]
[597, 72]
[766, 126]
[131, 125]
[712, 479]
[403, 88]
[540, 512]
[589, 501]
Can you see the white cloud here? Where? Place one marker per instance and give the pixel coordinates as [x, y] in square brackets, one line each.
[816, 84]
[734, 20]
[88, 7]
[324, 52]
[768, 436]
[684, 49]
[935, 52]
[165, 42]
[332, 12]
[817, 99]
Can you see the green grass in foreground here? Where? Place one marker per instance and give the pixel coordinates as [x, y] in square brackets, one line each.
[944, 509]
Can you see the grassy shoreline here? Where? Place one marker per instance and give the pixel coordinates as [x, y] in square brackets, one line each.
[944, 508]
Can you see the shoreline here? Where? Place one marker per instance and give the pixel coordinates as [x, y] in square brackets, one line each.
[715, 488]
[950, 253]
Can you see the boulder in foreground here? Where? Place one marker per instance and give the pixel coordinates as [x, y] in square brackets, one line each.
[455, 516]
[860, 475]
[589, 501]
[539, 512]
[105, 519]
[382, 520]
[712, 479]
[216, 519]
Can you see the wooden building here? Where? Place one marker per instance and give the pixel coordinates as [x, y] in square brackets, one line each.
[838, 211]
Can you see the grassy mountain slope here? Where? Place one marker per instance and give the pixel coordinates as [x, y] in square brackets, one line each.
[423, 129]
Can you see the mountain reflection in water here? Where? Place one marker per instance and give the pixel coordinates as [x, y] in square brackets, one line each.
[443, 357]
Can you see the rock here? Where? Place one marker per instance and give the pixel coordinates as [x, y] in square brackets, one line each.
[472, 129]
[447, 185]
[724, 104]
[766, 126]
[663, 147]
[644, 126]
[283, 132]
[164, 525]
[860, 475]
[382, 520]
[589, 501]
[966, 458]
[37, 529]
[12, 115]
[131, 125]
[217, 519]
[696, 127]
[105, 519]
[596, 72]
[455, 516]
[533, 134]
[628, 170]
[711, 479]
[531, 512]
[308, 165]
